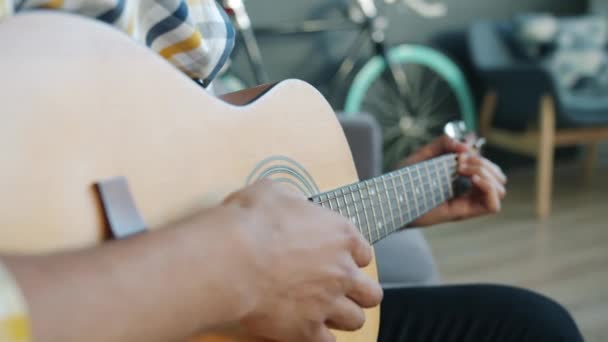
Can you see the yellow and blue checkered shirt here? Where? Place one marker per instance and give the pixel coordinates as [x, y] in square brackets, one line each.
[196, 36]
[14, 324]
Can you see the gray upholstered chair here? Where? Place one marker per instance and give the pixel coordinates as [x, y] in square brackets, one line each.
[404, 258]
[541, 96]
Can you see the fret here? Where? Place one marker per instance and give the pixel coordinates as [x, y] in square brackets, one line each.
[436, 194]
[352, 189]
[318, 200]
[441, 182]
[329, 202]
[426, 187]
[413, 190]
[447, 178]
[335, 202]
[389, 202]
[451, 170]
[381, 225]
[356, 200]
[399, 203]
[404, 194]
[344, 198]
[361, 194]
[413, 186]
[421, 185]
[418, 191]
[371, 195]
[431, 186]
[441, 179]
[338, 203]
[421, 189]
[389, 193]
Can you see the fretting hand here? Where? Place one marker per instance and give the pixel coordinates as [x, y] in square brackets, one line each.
[487, 178]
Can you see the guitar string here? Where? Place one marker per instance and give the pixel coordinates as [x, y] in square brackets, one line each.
[437, 172]
[390, 176]
[373, 198]
[369, 198]
[332, 194]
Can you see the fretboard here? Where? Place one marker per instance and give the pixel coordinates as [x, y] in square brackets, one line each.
[385, 204]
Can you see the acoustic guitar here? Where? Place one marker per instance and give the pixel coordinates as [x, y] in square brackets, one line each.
[83, 103]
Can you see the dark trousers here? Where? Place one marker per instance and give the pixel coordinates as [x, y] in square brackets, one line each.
[473, 313]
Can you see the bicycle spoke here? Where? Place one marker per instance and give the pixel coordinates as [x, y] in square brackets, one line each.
[434, 105]
[400, 90]
[383, 113]
[392, 133]
[403, 147]
[428, 96]
[417, 93]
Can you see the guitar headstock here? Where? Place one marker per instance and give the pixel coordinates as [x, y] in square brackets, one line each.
[457, 130]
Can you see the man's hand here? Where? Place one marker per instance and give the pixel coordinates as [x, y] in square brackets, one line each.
[487, 178]
[266, 260]
[303, 266]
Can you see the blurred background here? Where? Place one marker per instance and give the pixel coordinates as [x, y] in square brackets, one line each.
[529, 76]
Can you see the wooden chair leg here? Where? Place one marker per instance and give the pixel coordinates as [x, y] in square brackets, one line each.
[546, 150]
[590, 160]
[486, 115]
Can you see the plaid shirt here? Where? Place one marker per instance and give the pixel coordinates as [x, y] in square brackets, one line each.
[196, 36]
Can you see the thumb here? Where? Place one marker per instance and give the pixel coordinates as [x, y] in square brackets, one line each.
[465, 207]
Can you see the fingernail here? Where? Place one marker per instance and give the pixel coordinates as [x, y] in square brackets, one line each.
[475, 178]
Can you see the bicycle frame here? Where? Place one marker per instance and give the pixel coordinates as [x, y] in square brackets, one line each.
[362, 16]
[344, 86]
[370, 25]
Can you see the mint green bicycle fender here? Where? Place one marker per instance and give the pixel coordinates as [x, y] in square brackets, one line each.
[417, 54]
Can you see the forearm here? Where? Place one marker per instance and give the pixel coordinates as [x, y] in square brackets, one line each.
[159, 286]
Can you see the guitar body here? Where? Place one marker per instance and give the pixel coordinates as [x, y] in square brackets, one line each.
[82, 103]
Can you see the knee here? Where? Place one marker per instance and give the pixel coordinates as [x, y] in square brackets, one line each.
[544, 318]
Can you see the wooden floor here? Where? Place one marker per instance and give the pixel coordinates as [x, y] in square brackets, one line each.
[565, 257]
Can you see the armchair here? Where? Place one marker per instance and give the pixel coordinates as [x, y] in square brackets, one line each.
[527, 110]
[404, 258]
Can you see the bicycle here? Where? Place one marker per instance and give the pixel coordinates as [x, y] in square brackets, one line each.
[410, 89]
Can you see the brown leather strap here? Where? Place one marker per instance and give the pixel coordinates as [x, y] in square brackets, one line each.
[119, 208]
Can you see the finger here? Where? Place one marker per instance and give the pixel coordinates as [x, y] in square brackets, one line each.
[308, 331]
[445, 144]
[471, 159]
[495, 169]
[360, 248]
[323, 334]
[346, 315]
[365, 291]
[439, 146]
[471, 170]
[464, 207]
[500, 189]
[490, 195]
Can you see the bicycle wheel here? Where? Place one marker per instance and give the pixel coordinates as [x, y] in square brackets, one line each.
[434, 93]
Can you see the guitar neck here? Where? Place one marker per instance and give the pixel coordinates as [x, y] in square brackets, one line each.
[385, 204]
